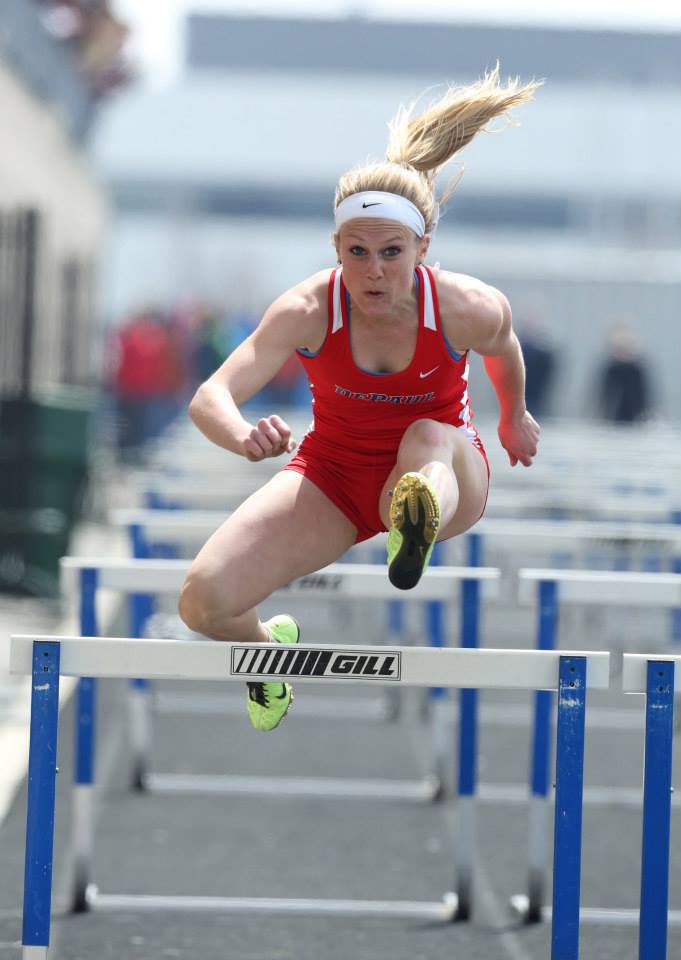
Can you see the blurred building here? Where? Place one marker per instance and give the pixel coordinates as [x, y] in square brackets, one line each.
[223, 184]
[58, 59]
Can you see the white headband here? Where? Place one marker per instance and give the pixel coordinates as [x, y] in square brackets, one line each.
[375, 204]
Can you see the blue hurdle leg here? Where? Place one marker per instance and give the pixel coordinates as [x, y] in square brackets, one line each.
[538, 820]
[468, 752]
[657, 786]
[438, 696]
[141, 607]
[468, 740]
[395, 633]
[85, 745]
[42, 775]
[676, 614]
[567, 849]
[395, 612]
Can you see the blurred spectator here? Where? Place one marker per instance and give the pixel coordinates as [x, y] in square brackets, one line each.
[156, 360]
[147, 373]
[210, 348]
[623, 382]
[96, 37]
[283, 388]
[540, 364]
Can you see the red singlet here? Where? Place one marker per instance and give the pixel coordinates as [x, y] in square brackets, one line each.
[360, 416]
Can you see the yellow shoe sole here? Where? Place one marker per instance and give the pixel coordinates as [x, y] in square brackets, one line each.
[414, 526]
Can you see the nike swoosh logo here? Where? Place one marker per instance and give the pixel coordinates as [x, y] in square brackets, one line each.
[377, 204]
[428, 372]
[282, 695]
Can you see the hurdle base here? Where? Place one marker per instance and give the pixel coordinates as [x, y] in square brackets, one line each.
[623, 917]
[427, 790]
[80, 889]
[139, 776]
[526, 911]
[464, 898]
[518, 794]
[444, 910]
[607, 916]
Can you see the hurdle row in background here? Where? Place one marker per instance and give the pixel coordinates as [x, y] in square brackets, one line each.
[548, 589]
[569, 673]
[618, 460]
[660, 545]
[213, 491]
[603, 544]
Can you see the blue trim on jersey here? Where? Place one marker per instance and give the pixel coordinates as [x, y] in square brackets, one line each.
[452, 353]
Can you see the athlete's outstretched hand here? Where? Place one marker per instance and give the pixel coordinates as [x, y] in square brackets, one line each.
[519, 437]
[270, 437]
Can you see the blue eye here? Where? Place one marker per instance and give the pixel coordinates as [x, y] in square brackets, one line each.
[392, 251]
[357, 251]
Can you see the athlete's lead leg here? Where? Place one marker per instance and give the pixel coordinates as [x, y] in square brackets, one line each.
[436, 490]
[285, 530]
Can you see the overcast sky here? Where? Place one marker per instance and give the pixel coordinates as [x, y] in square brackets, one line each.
[156, 41]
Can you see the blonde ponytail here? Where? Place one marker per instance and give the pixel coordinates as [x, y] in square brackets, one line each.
[419, 146]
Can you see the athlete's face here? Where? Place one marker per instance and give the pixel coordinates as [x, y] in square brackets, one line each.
[378, 258]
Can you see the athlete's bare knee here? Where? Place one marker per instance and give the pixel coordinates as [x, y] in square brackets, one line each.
[425, 433]
[203, 604]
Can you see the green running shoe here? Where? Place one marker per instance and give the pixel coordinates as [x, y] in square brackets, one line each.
[268, 703]
[414, 525]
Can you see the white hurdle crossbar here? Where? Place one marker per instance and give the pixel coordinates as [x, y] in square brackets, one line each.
[46, 658]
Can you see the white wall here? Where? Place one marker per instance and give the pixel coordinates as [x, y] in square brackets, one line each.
[41, 168]
[277, 127]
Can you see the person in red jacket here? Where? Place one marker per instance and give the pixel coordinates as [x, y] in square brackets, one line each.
[147, 371]
[385, 342]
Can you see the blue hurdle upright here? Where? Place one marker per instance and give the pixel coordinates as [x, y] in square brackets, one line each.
[549, 589]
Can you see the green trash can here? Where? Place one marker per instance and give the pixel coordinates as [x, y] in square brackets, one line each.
[44, 455]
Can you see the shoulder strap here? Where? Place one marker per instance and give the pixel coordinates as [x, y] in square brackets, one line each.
[431, 307]
[336, 294]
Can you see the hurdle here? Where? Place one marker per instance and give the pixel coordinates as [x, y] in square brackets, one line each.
[659, 679]
[166, 491]
[572, 534]
[467, 585]
[47, 658]
[548, 589]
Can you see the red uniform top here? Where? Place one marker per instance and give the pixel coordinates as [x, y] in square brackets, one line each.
[363, 415]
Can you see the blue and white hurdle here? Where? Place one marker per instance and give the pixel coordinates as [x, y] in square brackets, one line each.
[465, 586]
[548, 590]
[165, 491]
[444, 585]
[658, 677]
[47, 658]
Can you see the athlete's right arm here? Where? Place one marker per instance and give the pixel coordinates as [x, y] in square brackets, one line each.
[294, 319]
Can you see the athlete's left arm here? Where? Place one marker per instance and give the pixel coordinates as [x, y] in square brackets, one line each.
[493, 337]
